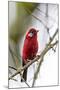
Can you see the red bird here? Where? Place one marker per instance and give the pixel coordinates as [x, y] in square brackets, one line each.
[30, 49]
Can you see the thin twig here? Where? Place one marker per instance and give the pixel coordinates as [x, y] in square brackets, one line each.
[13, 68]
[34, 60]
[47, 48]
[35, 17]
[11, 73]
[53, 36]
[45, 14]
[14, 79]
[38, 18]
[47, 23]
[20, 75]
[37, 71]
[13, 52]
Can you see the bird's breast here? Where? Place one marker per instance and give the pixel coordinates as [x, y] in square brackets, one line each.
[30, 49]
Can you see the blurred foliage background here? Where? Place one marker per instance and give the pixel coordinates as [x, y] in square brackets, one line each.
[18, 28]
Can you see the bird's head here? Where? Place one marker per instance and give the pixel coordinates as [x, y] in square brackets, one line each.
[32, 33]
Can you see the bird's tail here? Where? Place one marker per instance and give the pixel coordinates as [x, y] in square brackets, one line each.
[24, 76]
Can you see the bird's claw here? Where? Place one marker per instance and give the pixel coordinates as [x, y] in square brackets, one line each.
[28, 60]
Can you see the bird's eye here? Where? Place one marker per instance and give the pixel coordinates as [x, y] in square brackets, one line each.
[30, 34]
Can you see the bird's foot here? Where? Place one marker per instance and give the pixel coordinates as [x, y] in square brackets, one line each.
[28, 60]
[38, 55]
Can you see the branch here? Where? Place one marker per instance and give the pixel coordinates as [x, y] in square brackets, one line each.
[38, 68]
[13, 79]
[20, 75]
[51, 39]
[47, 48]
[11, 72]
[37, 71]
[13, 68]
[34, 60]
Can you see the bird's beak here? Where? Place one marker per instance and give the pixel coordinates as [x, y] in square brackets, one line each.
[37, 31]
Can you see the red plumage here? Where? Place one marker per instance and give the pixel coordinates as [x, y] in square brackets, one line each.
[30, 48]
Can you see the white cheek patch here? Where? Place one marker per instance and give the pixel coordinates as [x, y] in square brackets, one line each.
[30, 34]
